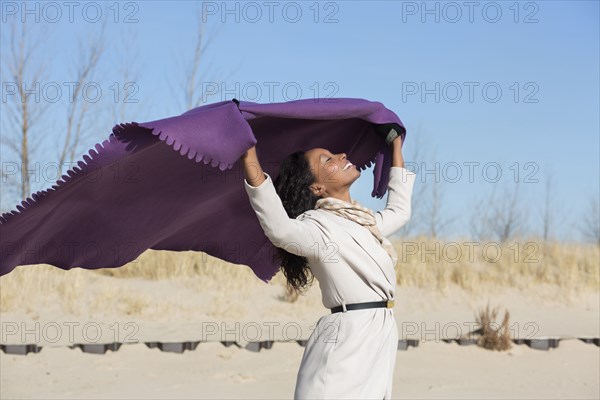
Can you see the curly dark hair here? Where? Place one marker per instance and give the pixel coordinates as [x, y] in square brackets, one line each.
[292, 186]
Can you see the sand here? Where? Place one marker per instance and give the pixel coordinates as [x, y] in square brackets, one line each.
[173, 310]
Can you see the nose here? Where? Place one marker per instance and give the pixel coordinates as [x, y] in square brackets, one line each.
[343, 156]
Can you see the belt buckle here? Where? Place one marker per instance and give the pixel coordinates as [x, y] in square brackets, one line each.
[390, 304]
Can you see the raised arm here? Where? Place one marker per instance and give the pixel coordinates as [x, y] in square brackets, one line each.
[253, 172]
[397, 159]
[296, 236]
[398, 208]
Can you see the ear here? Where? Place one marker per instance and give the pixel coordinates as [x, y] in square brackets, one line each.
[316, 189]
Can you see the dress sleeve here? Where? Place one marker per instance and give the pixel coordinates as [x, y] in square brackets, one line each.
[398, 208]
[299, 236]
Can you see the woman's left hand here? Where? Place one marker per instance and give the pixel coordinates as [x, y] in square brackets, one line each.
[390, 132]
[397, 159]
[398, 141]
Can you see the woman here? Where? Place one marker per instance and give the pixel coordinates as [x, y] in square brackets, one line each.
[307, 213]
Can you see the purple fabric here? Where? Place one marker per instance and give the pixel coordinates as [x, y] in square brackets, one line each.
[133, 193]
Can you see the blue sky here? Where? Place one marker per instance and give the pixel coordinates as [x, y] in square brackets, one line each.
[543, 56]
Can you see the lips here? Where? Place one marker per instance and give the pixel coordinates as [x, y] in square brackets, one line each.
[348, 165]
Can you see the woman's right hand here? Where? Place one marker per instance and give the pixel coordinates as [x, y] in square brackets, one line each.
[248, 153]
[252, 170]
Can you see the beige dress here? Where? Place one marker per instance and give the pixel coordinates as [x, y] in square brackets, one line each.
[349, 354]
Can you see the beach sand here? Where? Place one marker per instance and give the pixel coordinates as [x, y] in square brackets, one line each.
[213, 371]
[175, 310]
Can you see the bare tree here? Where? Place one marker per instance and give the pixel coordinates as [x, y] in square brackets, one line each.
[590, 224]
[428, 215]
[550, 219]
[24, 108]
[192, 75]
[437, 218]
[416, 144]
[192, 83]
[500, 216]
[480, 229]
[129, 76]
[89, 55]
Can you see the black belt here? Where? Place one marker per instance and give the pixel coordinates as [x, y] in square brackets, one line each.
[359, 306]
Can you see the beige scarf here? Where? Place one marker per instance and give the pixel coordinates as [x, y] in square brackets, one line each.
[362, 215]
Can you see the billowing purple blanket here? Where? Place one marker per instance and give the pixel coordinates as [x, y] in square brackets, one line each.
[177, 184]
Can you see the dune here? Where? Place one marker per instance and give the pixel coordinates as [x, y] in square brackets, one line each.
[206, 302]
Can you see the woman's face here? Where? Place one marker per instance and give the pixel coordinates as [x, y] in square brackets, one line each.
[334, 172]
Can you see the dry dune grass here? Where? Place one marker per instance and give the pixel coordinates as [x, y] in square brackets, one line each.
[573, 267]
[479, 267]
[91, 291]
[64, 288]
[494, 335]
[160, 265]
